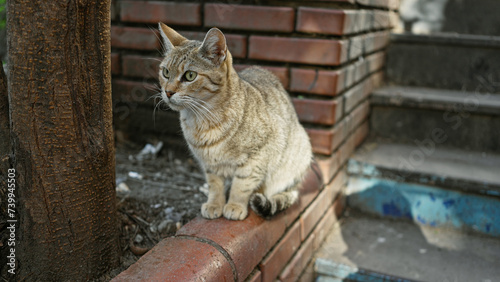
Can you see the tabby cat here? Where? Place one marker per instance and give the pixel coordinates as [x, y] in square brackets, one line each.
[238, 126]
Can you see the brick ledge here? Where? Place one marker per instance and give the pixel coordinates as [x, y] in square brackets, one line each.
[223, 250]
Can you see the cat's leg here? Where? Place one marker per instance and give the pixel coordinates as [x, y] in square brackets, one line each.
[216, 198]
[241, 190]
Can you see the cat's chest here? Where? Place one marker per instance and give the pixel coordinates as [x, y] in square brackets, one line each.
[218, 159]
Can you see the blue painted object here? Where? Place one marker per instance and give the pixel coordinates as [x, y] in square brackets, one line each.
[342, 272]
[425, 204]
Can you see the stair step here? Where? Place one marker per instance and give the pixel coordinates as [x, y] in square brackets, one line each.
[472, 16]
[435, 187]
[437, 99]
[445, 60]
[365, 248]
[465, 120]
[465, 171]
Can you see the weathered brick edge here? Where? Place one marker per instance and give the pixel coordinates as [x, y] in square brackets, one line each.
[254, 249]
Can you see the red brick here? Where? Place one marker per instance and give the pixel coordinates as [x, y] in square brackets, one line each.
[375, 41]
[315, 81]
[361, 133]
[309, 274]
[354, 95]
[346, 150]
[237, 44]
[324, 21]
[256, 276]
[376, 79]
[276, 260]
[325, 141]
[298, 50]
[325, 112]
[318, 207]
[332, 21]
[140, 66]
[299, 262]
[339, 205]
[242, 17]
[321, 140]
[358, 21]
[312, 184]
[348, 75]
[355, 47]
[174, 13]
[331, 216]
[134, 38]
[115, 63]
[179, 259]
[246, 241]
[329, 165]
[324, 225]
[280, 72]
[393, 18]
[131, 91]
[375, 61]
[358, 115]
[381, 20]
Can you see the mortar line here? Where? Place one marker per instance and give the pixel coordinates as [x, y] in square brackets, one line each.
[218, 247]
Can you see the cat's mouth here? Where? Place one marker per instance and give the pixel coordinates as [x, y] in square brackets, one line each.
[172, 101]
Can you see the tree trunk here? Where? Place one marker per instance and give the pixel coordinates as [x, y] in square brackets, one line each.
[60, 103]
[5, 165]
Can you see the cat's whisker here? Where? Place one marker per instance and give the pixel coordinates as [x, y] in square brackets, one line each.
[207, 113]
[213, 117]
[195, 110]
[152, 87]
[157, 105]
[202, 116]
[154, 96]
[154, 59]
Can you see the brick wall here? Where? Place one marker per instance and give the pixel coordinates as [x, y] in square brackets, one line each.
[329, 55]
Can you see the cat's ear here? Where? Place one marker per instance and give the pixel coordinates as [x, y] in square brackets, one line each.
[214, 46]
[170, 37]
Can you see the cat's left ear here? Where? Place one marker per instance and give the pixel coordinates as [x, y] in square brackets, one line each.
[170, 37]
[214, 46]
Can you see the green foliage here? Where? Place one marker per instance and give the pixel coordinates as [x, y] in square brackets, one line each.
[3, 18]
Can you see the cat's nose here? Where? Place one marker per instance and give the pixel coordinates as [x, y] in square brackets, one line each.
[169, 93]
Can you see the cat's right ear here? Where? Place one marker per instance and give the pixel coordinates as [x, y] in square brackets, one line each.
[170, 37]
[214, 46]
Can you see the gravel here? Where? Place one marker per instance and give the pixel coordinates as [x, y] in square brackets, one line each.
[157, 191]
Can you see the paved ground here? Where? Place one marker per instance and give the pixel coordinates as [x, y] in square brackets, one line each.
[403, 249]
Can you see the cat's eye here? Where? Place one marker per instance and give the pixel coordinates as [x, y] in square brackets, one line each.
[165, 73]
[190, 75]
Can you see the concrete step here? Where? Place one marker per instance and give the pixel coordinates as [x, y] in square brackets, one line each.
[445, 60]
[445, 118]
[365, 248]
[431, 186]
[472, 17]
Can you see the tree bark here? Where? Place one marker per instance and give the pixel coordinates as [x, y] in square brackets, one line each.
[61, 118]
[5, 165]
[5, 145]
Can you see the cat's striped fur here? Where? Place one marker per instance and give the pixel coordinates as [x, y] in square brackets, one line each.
[238, 126]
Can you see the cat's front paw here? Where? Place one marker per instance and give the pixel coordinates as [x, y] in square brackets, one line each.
[211, 211]
[235, 211]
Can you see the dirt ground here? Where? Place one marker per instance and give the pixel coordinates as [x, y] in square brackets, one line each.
[156, 195]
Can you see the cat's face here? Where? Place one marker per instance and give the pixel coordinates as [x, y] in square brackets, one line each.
[192, 72]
